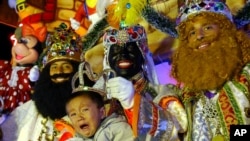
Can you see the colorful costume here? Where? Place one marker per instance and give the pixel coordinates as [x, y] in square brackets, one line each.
[153, 111]
[154, 122]
[17, 77]
[214, 112]
[215, 91]
[15, 85]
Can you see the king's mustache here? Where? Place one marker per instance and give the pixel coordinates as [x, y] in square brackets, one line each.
[202, 41]
[61, 75]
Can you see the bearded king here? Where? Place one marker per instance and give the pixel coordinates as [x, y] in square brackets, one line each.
[212, 67]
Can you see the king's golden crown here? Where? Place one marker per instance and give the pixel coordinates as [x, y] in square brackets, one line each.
[63, 44]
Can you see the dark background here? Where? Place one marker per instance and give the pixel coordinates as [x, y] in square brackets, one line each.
[5, 42]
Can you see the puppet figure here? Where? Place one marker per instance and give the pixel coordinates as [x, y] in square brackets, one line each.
[85, 17]
[17, 76]
[33, 16]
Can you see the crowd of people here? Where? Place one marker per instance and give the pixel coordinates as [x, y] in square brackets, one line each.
[126, 102]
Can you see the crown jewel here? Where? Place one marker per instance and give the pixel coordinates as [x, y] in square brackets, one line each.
[196, 6]
[63, 44]
[124, 35]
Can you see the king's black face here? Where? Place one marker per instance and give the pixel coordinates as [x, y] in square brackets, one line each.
[126, 60]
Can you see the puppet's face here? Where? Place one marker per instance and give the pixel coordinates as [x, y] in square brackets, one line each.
[60, 71]
[85, 115]
[126, 60]
[23, 51]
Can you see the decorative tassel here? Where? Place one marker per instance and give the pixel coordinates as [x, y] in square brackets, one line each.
[242, 17]
[159, 21]
[94, 35]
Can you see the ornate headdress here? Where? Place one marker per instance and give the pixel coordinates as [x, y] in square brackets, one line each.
[197, 6]
[63, 44]
[125, 35]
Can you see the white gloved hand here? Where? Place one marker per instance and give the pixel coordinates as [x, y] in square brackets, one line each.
[121, 89]
[34, 73]
[179, 114]
[74, 23]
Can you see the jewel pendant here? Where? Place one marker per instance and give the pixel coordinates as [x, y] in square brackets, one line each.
[218, 138]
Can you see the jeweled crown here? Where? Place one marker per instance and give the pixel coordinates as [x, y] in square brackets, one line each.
[125, 35]
[63, 44]
[197, 6]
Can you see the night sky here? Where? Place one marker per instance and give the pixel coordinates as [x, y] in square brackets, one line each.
[5, 42]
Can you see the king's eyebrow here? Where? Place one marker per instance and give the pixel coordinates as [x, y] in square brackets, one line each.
[190, 29]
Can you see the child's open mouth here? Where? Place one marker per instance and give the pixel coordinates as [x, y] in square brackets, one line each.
[84, 126]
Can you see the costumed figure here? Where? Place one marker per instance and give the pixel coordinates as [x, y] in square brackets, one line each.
[33, 16]
[153, 111]
[35, 119]
[212, 64]
[86, 17]
[17, 76]
[126, 12]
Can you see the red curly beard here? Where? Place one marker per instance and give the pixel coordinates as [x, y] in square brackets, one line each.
[210, 68]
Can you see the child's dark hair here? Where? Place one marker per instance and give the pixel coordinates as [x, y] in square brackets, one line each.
[94, 96]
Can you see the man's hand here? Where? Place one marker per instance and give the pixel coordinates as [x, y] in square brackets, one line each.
[121, 89]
